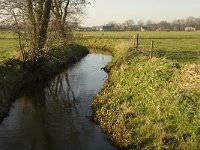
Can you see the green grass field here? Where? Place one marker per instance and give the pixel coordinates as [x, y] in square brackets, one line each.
[150, 35]
[7, 35]
[8, 49]
[8, 46]
[181, 46]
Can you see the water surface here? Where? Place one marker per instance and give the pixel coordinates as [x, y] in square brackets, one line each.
[54, 115]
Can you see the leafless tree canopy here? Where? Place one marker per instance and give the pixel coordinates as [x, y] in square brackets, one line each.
[35, 21]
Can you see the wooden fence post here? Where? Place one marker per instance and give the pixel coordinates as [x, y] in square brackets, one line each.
[137, 41]
[152, 46]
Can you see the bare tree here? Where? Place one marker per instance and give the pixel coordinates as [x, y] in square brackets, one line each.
[128, 24]
[60, 11]
[65, 15]
[140, 23]
[31, 19]
[178, 24]
[164, 25]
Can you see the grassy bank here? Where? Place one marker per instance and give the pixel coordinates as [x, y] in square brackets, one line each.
[148, 103]
[13, 76]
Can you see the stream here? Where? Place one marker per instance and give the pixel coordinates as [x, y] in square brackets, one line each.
[54, 115]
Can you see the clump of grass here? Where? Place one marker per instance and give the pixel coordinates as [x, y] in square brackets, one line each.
[191, 76]
[144, 104]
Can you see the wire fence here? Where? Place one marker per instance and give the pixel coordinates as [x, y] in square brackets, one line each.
[169, 47]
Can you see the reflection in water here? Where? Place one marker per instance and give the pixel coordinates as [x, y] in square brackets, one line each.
[52, 116]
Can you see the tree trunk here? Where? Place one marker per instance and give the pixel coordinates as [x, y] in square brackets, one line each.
[39, 12]
[60, 11]
[64, 19]
[33, 22]
[42, 35]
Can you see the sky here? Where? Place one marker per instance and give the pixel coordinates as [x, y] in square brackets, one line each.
[101, 12]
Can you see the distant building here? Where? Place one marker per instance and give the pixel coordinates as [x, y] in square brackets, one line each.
[163, 29]
[131, 28]
[167, 30]
[145, 28]
[82, 29]
[108, 28]
[100, 28]
[96, 28]
[190, 29]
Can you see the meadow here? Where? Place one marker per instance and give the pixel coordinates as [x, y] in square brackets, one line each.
[181, 46]
[8, 46]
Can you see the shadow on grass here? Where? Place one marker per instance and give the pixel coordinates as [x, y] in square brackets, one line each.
[180, 56]
[9, 70]
[10, 74]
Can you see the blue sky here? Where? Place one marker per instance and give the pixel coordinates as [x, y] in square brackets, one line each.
[103, 11]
